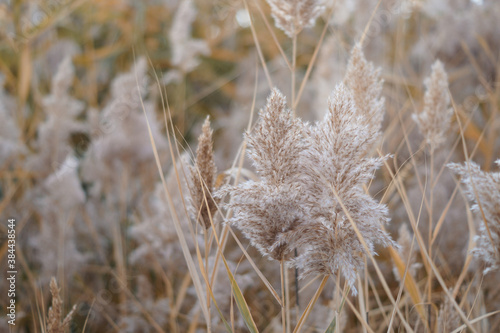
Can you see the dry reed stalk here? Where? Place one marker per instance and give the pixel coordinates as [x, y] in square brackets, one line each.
[448, 318]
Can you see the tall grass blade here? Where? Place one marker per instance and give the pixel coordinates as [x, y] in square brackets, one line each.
[331, 328]
[178, 229]
[209, 288]
[240, 301]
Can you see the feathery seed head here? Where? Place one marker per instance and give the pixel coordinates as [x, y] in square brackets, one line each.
[269, 216]
[269, 211]
[292, 16]
[363, 79]
[329, 251]
[185, 49]
[434, 120]
[336, 166]
[55, 321]
[483, 189]
[205, 154]
[276, 142]
[303, 170]
[338, 145]
[202, 178]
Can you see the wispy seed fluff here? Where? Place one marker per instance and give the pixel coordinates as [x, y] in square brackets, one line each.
[483, 189]
[202, 179]
[292, 16]
[434, 120]
[336, 165]
[363, 79]
[303, 169]
[185, 49]
[269, 211]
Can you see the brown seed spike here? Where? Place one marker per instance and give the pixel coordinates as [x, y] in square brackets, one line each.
[202, 178]
[55, 325]
[434, 120]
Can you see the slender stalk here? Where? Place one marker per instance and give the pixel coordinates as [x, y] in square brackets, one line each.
[293, 67]
[309, 307]
[294, 64]
[431, 199]
[283, 301]
[271, 32]
[336, 297]
[259, 51]
[287, 304]
[181, 123]
[205, 236]
[297, 300]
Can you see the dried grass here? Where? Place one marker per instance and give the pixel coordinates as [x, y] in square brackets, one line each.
[144, 239]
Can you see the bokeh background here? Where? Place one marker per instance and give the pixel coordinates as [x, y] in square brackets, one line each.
[78, 79]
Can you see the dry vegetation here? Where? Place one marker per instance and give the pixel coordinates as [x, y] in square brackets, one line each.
[345, 177]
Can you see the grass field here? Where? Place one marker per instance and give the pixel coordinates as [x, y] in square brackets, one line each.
[251, 165]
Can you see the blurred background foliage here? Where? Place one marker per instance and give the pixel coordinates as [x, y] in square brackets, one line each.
[106, 38]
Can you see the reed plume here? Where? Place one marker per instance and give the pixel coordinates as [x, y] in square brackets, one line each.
[269, 211]
[186, 49]
[336, 169]
[363, 79]
[303, 169]
[202, 179]
[55, 322]
[434, 120]
[292, 16]
[483, 189]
